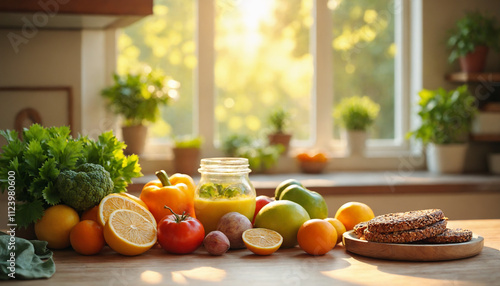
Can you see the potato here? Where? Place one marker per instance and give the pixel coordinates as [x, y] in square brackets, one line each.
[233, 225]
[216, 243]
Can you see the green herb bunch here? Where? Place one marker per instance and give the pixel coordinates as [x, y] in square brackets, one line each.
[471, 31]
[446, 116]
[356, 113]
[138, 97]
[44, 153]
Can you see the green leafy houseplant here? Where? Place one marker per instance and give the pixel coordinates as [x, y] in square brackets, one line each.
[188, 142]
[446, 116]
[356, 113]
[138, 96]
[279, 120]
[471, 31]
[261, 156]
[44, 153]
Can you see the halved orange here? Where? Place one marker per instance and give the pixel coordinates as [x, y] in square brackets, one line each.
[129, 233]
[262, 241]
[135, 199]
[113, 202]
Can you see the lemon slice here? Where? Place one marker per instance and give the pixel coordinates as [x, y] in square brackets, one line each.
[129, 233]
[262, 241]
[113, 202]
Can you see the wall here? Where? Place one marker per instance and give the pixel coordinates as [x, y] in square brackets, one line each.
[82, 59]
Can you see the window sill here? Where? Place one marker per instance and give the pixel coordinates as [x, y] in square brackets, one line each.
[361, 183]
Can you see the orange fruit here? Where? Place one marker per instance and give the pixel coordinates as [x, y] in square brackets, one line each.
[352, 213]
[135, 199]
[91, 214]
[129, 233]
[303, 157]
[262, 241]
[55, 226]
[113, 202]
[87, 237]
[319, 157]
[317, 237]
[339, 227]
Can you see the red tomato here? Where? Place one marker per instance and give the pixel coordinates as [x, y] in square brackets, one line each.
[180, 234]
[260, 202]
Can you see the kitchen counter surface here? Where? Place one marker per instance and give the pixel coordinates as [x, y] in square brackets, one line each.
[285, 267]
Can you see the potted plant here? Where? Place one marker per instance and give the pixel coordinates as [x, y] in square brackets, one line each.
[471, 39]
[261, 157]
[137, 97]
[187, 154]
[356, 114]
[446, 118]
[279, 121]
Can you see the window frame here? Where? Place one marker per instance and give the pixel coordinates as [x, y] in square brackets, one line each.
[322, 91]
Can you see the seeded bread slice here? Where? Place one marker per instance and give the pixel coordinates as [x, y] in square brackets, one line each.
[451, 235]
[406, 236]
[395, 222]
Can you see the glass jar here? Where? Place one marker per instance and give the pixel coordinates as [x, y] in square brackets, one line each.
[224, 187]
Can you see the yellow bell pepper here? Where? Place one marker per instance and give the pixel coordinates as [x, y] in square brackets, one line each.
[176, 192]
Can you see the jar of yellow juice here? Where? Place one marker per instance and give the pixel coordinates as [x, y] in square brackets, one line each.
[224, 187]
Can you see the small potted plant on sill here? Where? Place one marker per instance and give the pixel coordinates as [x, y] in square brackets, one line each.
[471, 39]
[356, 114]
[261, 157]
[187, 154]
[279, 121]
[138, 97]
[446, 118]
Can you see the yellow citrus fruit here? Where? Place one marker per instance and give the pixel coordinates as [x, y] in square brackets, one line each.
[262, 241]
[352, 213]
[113, 202]
[129, 233]
[134, 198]
[55, 226]
[339, 227]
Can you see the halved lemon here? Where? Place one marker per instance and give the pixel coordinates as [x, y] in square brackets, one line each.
[129, 233]
[134, 198]
[113, 202]
[262, 241]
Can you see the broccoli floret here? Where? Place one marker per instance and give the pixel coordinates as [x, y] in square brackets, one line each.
[85, 187]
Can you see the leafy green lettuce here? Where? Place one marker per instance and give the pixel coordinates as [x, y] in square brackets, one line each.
[43, 153]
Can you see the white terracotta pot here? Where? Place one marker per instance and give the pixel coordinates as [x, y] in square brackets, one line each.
[356, 141]
[446, 158]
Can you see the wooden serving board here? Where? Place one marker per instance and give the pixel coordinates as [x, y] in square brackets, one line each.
[412, 252]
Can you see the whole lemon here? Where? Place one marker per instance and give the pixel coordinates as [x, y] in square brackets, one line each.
[285, 217]
[55, 226]
[352, 213]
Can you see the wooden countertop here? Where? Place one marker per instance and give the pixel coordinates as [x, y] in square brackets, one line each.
[285, 267]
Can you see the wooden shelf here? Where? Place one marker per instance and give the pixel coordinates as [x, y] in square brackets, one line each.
[485, 137]
[462, 77]
[88, 14]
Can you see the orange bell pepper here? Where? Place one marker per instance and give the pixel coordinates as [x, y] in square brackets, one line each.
[176, 193]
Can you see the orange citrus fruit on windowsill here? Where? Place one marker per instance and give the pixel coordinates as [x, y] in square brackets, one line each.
[262, 241]
[129, 233]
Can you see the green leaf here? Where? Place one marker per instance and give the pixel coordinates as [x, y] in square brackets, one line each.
[34, 156]
[49, 170]
[35, 132]
[9, 135]
[29, 212]
[51, 194]
[65, 152]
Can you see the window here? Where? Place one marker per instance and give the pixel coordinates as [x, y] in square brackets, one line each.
[257, 54]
